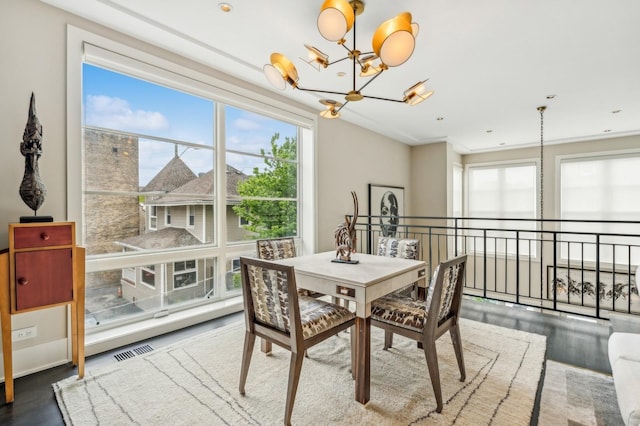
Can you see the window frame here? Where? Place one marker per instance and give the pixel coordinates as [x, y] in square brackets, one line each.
[183, 272]
[148, 270]
[191, 216]
[84, 46]
[153, 217]
[167, 215]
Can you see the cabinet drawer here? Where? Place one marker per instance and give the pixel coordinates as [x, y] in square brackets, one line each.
[43, 278]
[42, 236]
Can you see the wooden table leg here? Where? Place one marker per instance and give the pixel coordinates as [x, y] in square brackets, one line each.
[363, 359]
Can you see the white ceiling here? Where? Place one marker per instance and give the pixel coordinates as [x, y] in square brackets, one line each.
[491, 62]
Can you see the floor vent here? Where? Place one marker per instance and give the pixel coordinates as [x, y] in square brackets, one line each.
[121, 356]
[130, 353]
[140, 350]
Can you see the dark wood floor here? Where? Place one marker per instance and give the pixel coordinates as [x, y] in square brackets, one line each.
[570, 341]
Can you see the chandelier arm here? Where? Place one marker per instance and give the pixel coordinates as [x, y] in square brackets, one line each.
[338, 60]
[346, 48]
[321, 91]
[341, 106]
[384, 99]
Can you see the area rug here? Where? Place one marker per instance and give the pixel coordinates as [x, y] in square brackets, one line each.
[575, 396]
[195, 382]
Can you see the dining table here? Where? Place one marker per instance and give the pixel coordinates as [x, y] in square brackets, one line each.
[362, 281]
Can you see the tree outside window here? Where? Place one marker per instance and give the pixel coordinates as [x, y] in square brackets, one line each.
[276, 217]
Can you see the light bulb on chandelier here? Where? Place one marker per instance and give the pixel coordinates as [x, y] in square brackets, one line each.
[393, 44]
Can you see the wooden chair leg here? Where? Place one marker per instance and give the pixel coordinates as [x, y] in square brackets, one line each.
[388, 339]
[266, 346]
[249, 342]
[456, 339]
[294, 376]
[434, 372]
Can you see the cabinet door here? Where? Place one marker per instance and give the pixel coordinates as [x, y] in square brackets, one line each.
[43, 277]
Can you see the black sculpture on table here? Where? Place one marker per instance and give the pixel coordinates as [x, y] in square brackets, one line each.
[32, 189]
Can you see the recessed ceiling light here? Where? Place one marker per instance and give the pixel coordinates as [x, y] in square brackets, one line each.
[439, 118]
[551, 96]
[489, 131]
[615, 111]
[503, 143]
[225, 7]
[607, 130]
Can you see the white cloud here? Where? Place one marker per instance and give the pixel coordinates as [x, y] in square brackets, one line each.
[116, 113]
[245, 124]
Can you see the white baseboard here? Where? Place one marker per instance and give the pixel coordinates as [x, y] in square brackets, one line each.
[40, 357]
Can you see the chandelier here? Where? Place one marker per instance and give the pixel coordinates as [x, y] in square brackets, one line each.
[393, 43]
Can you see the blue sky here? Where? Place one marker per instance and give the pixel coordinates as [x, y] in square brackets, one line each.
[119, 102]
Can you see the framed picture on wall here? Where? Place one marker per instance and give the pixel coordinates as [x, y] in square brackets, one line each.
[386, 206]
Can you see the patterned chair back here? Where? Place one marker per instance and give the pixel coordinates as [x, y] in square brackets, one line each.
[276, 248]
[445, 290]
[268, 290]
[395, 247]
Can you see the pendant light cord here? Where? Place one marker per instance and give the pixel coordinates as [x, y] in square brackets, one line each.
[541, 109]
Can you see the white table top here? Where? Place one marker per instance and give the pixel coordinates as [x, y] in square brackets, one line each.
[370, 270]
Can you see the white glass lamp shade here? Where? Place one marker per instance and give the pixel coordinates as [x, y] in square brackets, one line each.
[281, 71]
[317, 56]
[367, 68]
[335, 19]
[394, 40]
[415, 29]
[329, 113]
[274, 77]
[417, 93]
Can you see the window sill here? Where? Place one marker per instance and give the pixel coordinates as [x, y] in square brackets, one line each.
[106, 340]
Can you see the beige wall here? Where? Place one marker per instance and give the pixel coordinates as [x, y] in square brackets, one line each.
[350, 158]
[429, 167]
[33, 49]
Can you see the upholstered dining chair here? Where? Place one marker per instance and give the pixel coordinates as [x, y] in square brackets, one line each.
[403, 249]
[426, 321]
[274, 311]
[277, 249]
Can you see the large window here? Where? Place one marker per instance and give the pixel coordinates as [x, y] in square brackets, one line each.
[503, 191]
[601, 189]
[166, 201]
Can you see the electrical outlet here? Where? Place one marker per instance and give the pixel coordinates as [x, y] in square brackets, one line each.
[24, 333]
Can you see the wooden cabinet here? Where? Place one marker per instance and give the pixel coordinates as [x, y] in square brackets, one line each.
[42, 268]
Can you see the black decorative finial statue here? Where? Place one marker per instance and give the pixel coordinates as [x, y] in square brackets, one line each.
[32, 188]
